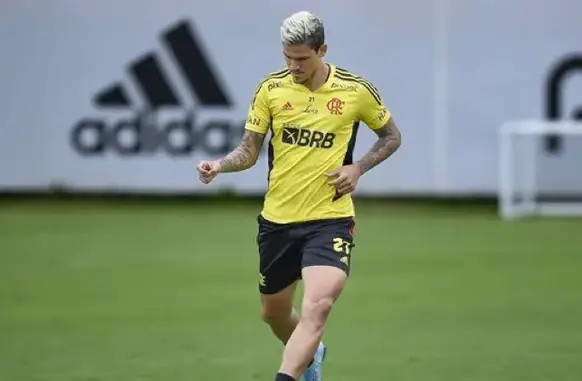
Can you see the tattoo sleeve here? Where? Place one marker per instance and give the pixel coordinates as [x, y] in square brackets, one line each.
[388, 142]
[245, 155]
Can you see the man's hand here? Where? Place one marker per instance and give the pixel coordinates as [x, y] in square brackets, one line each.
[208, 170]
[344, 179]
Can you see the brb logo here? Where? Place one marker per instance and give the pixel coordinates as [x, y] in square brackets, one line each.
[555, 83]
[302, 137]
[142, 130]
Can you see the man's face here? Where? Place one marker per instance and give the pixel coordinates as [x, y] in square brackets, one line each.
[302, 60]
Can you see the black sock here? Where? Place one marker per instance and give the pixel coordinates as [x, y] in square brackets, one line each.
[283, 377]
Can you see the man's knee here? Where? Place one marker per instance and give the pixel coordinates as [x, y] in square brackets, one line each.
[323, 285]
[316, 311]
[274, 311]
[275, 307]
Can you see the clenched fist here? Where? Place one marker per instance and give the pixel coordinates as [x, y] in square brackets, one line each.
[208, 170]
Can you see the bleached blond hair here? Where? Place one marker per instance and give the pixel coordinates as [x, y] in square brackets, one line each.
[303, 28]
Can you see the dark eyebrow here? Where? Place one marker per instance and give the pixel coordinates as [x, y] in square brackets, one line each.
[297, 58]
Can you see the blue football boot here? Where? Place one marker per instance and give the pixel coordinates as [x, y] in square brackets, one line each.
[313, 372]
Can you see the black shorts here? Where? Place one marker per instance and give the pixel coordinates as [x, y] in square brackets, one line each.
[284, 249]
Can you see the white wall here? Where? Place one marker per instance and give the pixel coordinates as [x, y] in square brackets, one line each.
[450, 71]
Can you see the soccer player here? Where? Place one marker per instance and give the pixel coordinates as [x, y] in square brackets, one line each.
[306, 228]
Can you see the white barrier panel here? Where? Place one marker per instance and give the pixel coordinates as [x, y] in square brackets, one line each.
[77, 77]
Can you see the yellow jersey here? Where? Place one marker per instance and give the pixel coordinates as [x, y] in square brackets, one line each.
[312, 132]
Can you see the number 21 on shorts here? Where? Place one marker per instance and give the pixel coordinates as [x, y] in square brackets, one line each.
[340, 245]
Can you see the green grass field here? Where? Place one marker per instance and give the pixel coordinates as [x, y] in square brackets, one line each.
[96, 291]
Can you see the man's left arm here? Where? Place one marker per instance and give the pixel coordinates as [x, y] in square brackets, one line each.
[374, 113]
[389, 140]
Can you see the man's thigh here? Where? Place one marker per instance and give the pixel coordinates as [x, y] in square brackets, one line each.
[279, 257]
[329, 243]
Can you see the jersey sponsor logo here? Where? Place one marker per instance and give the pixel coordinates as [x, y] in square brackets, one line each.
[335, 106]
[302, 137]
[274, 85]
[143, 129]
[310, 110]
[343, 86]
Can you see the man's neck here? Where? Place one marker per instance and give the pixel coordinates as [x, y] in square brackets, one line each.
[319, 77]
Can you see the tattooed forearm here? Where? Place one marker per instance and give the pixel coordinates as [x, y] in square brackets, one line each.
[389, 140]
[245, 155]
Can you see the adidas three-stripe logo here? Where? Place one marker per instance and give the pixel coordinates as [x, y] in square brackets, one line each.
[154, 84]
[164, 79]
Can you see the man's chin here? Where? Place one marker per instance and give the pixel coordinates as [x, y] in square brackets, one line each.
[299, 78]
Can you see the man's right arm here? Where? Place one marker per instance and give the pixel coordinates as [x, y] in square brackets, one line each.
[256, 127]
[245, 155]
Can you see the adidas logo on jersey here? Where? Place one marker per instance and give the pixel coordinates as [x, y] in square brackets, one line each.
[162, 122]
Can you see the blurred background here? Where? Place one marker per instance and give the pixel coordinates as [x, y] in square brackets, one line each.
[117, 264]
